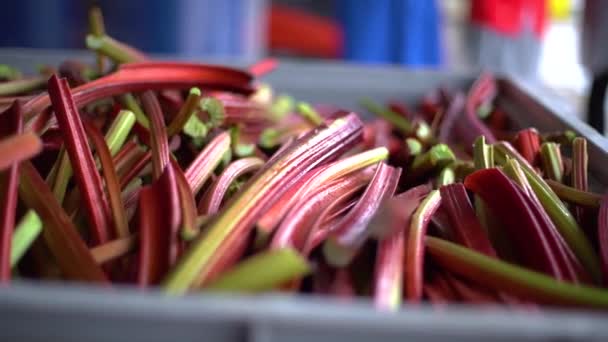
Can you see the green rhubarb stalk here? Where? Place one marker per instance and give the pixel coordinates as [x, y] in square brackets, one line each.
[262, 272]
[215, 109]
[575, 196]
[552, 161]
[560, 215]
[244, 210]
[24, 235]
[23, 85]
[186, 112]
[111, 48]
[115, 138]
[62, 178]
[129, 101]
[437, 157]
[239, 149]
[446, 176]
[463, 168]
[309, 114]
[136, 183]
[503, 276]
[269, 138]
[282, 106]
[9, 73]
[564, 138]
[395, 119]
[515, 172]
[483, 158]
[97, 29]
[483, 154]
[414, 147]
[119, 130]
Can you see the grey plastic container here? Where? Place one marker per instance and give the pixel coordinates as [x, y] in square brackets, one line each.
[32, 311]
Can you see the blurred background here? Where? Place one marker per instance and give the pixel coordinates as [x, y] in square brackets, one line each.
[549, 41]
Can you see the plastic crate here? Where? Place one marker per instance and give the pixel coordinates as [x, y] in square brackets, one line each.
[34, 311]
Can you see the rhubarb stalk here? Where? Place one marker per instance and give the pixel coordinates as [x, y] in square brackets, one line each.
[239, 216]
[414, 264]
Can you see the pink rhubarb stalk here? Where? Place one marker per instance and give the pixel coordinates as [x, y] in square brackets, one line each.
[81, 159]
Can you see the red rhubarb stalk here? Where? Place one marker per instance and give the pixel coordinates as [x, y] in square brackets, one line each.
[328, 220]
[396, 213]
[505, 199]
[238, 217]
[189, 227]
[450, 118]
[136, 168]
[314, 179]
[81, 159]
[207, 160]
[414, 264]
[11, 122]
[137, 77]
[159, 141]
[471, 294]
[60, 234]
[482, 91]
[158, 205]
[466, 226]
[121, 224]
[580, 162]
[388, 277]
[602, 232]
[295, 228]
[564, 255]
[527, 142]
[211, 201]
[344, 243]
[18, 147]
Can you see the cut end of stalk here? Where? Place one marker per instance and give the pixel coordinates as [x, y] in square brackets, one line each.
[94, 42]
[309, 113]
[215, 109]
[441, 155]
[423, 131]
[414, 146]
[195, 91]
[446, 176]
[195, 128]
[244, 150]
[268, 138]
[483, 154]
[552, 161]
[336, 254]
[282, 106]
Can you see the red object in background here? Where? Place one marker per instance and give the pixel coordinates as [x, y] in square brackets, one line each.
[509, 16]
[298, 32]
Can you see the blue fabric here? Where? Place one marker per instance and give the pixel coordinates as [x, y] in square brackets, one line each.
[203, 27]
[391, 31]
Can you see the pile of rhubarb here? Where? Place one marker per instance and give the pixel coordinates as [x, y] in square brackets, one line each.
[194, 178]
